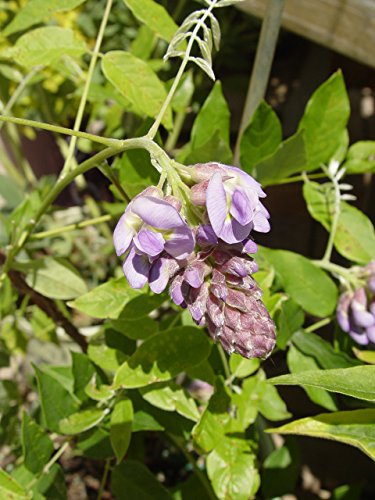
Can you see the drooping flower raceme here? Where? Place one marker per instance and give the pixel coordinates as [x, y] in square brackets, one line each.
[155, 238]
[207, 266]
[232, 199]
[356, 310]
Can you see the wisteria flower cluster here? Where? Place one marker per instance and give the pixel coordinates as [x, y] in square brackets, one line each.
[356, 309]
[207, 265]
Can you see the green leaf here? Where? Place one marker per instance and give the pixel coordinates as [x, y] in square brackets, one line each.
[289, 318]
[232, 471]
[325, 355]
[281, 470]
[10, 191]
[82, 421]
[351, 427]
[95, 444]
[272, 406]
[37, 447]
[163, 356]
[298, 363]
[365, 356]
[10, 489]
[209, 431]
[154, 16]
[136, 81]
[135, 171]
[184, 93]
[121, 427]
[242, 367]
[358, 382]
[35, 11]
[213, 116]
[102, 393]
[133, 480]
[289, 158]
[57, 403]
[355, 235]
[306, 284]
[45, 46]
[214, 147]
[55, 279]
[361, 157]
[169, 396]
[261, 137]
[107, 300]
[144, 43]
[324, 120]
[83, 371]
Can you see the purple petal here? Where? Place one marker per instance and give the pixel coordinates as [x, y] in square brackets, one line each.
[217, 206]
[362, 318]
[359, 337]
[123, 234]
[198, 302]
[180, 243]
[342, 311]
[243, 207]
[149, 242]
[233, 232]
[161, 272]
[371, 333]
[198, 194]
[261, 223]
[206, 236]
[179, 291]
[371, 284]
[195, 274]
[246, 179]
[249, 246]
[157, 213]
[136, 268]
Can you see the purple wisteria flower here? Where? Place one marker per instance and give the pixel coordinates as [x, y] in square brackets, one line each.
[356, 310]
[232, 199]
[219, 292]
[155, 238]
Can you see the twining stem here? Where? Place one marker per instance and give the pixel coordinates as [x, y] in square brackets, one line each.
[262, 66]
[90, 73]
[107, 467]
[338, 271]
[224, 361]
[59, 130]
[71, 227]
[48, 466]
[154, 128]
[335, 219]
[318, 324]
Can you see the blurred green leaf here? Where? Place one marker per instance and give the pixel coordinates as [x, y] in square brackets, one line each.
[307, 285]
[121, 427]
[83, 371]
[232, 470]
[57, 403]
[133, 480]
[209, 431]
[365, 356]
[289, 318]
[139, 329]
[10, 489]
[144, 43]
[184, 93]
[355, 235]
[136, 172]
[214, 147]
[54, 278]
[10, 191]
[324, 120]
[281, 470]
[351, 427]
[163, 356]
[82, 421]
[135, 80]
[358, 381]
[37, 447]
[154, 16]
[360, 157]
[45, 46]
[261, 137]
[51, 485]
[107, 300]
[169, 396]
[298, 363]
[35, 11]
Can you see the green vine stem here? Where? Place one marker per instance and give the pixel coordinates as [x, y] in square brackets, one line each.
[336, 216]
[338, 271]
[154, 128]
[90, 73]
[262, 66]
[71, 227]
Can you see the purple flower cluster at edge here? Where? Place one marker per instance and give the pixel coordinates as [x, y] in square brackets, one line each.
[356, 310]
[207, 265]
